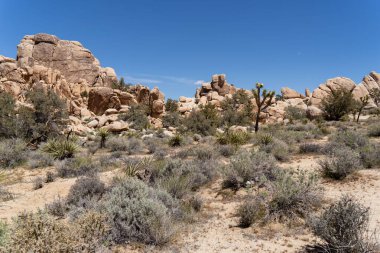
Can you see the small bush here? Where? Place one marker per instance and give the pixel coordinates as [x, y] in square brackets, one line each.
[294, 195]
[370, 156]
[5, 194]
[251, 211]
[203, 121]
[60, 149]
[204, 152]
[227, 150]
[176, 186]
[196, 203]
[3, 234]
[308, 147]
[351, 139]
[57, 208]
[264, 139]
[38, 183]
[130, 145]
[49, 177]
[172, 119]
[137, 116]
[234, 138]
[12, 153]
[176, 141]
[152, 144]
[39, 160]
[75, 167]
[338, 104]
[374, 130]
[160, 154]
[139, 213]
[256, 168]
[85, 188]
[171, 105]
[294, 113]
[341, 163]
[343, 227]
[279, 149]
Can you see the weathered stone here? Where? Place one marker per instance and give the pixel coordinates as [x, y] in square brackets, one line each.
[117, 127]
[102, 98]
[93, 123]
[313, 112]
[288, 93]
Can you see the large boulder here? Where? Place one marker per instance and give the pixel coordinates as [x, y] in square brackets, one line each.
[73, 60]
[288, 93]
[102, 98]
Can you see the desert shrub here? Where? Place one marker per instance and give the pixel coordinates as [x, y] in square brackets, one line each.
[308, 147]
[57, 208]
[196, 203]
[3, 234]
[299, 127]
[227, 150]
[130, 145]
[107, 161]
[152, 144]
[374, 130]
[263, 138]
[60, 149]
[7, 116]
[85, 188]
[203, 121]
[75, 167]
[39, 159]
[337, 104]
[5, 194]
[176, 185]
[294, 113]
[183, 153]
[139, 213]
[103, 134]
[49, 177]
[370, 156]
[233, 137]
[38, 183]
[204, 152]
[39, 233]
[341, 163]
[171, 105]
[294, 194]
[343, 227]
[250, 211]
[237, 110]
[172, 119]
[160, 154]
[351, 139]
[12, 153]
[137, 116]
[278, 148]
[46, 120]
[176, 141]
[257, 168]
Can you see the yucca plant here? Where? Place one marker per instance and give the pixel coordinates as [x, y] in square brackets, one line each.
[176, 141]
[265, 139]
[60, 149]
[103, 134]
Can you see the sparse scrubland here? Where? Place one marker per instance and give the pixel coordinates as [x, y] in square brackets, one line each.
[143, 189]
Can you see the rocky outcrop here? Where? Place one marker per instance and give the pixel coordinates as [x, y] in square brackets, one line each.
[288, 93]
[70, 58]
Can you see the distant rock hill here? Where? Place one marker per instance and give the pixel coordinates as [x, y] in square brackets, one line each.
[73, 72]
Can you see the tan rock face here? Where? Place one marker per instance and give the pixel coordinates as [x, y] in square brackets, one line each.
[288, 93]
[70, 58]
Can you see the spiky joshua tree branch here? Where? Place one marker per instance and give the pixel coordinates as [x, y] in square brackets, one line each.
[263, 100]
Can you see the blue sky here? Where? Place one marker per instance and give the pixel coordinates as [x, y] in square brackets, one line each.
[173, 44]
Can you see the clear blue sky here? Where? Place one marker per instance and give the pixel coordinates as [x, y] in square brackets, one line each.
[173, 44]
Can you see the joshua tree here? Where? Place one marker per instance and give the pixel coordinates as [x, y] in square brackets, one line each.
[263, 100]
[359, 106]
[103, 133]
[375, 95]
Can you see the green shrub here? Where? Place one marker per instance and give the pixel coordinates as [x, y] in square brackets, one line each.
[343, 227]
[237, 110]
[278, 148]
[251, 211]
[171, 105]
[257, 168]
[203, 121]
[12, 153]
[172, 119]
[130, 145]
[294, 113]
[351, 139]
[85, 188]
[176, 185]
[263, 138]
[374, 130]
[294, 194]
[3, 234]
[75, 167]
[7, 116]
[139, 213]
[137, 116]
[39, 159]
[341, 163]
[233, 137]
[176, 141]
[337, 104]
[60, 149]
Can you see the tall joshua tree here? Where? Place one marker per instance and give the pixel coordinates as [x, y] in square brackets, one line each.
[263, 99]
